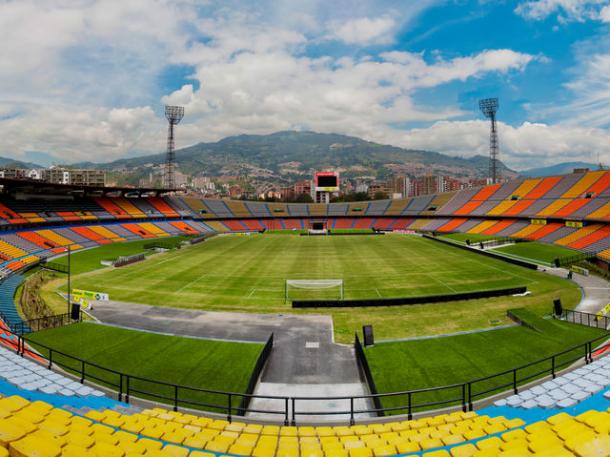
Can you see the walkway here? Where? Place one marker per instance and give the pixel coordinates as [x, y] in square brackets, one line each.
[305, 361]
[595, 290]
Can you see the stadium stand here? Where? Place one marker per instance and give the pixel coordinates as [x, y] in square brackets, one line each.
[545, 230]
[38, 228]
[106, 233]
[451, 225]
[162, 207]
[111, 208]
[417, 205]
[44, 413]
[298, 210]
[8, 311]
[577, 235]
[219, 208]
[458, 201]
[88, 233]
[317, 209]
[238, 208]
[258, 209]
[337, 209]
[477, 200]
[396, 207]
[377, 208]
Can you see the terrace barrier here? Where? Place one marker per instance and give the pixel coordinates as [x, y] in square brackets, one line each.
[590, 320]
[409, 300]
[521, 263]
[256, 373]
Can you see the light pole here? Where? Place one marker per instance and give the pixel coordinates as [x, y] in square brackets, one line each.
[174, 115]
[69, 285]
[489, 107]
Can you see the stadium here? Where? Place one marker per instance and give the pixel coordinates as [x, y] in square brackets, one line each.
[466, 323]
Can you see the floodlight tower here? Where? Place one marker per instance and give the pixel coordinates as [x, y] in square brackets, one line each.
[174, 115]
[489, 107]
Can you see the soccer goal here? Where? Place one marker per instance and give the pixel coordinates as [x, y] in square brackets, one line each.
[313, 289]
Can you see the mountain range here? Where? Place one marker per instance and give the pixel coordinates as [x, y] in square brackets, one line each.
[291, 155]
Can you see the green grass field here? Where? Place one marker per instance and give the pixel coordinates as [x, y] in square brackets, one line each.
[248, 273]
[473, 237]
[537, 252]
[214, 365]
[416, 364]
[89, 259]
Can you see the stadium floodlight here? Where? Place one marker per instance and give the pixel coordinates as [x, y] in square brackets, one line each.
[489, 107]
[174, 115]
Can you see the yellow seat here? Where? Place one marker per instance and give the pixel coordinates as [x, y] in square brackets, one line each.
[10, 432]
[79, 439]
[465, 450]
[151, 445]
[384, 451]
[440, 453]
[240, 449]
[101, 449]
[217, 446]
[134, 448]
[489, 443]
[72, 450]
[430, 443]
[336, 453]
[361, 452]
[175, 451]
[34, 447]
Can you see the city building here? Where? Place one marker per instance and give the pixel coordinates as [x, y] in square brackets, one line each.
[78, 177]
[13, 173]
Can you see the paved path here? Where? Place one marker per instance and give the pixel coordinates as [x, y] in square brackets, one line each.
[304, 362]
[595, 290]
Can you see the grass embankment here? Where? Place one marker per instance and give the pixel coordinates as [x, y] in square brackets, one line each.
[541, 253]
[215, 365]
[434, 362]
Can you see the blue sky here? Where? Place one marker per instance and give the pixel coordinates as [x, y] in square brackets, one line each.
[87, 79]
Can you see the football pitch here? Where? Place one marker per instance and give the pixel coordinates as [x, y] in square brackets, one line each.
[248, 274]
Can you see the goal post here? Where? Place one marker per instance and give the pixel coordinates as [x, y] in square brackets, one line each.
[313, 289]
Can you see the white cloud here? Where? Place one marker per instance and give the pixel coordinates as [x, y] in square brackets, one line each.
[565, 10]
[526, 146]
[80, 79]
[364, 30]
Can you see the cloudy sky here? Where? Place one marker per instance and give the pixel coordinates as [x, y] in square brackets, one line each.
[87, 79]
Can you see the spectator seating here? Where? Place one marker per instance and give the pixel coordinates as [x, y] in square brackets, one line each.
[567, 416]
[396, 207]
[8, 310]
[578, 234]
[163, 207]
[238, 208]
[564, 391]
[337, 209]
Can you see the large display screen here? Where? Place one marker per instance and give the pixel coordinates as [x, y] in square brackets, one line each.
[327, 181]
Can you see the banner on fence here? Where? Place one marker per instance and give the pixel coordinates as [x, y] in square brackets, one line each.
[579, 270]
[602, 312]
[79, 295]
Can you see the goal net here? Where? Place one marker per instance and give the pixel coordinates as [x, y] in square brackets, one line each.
[313, 289]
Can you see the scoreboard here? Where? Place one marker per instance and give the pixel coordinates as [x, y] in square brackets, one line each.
[326, 181]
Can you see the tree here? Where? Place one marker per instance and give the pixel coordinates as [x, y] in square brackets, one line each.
[303, 198]
[380, 196]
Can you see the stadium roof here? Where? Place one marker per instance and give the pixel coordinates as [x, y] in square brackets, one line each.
[34, 186]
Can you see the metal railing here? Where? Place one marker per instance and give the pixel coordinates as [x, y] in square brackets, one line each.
[256, 373]
[288, 409]
[588, 319]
